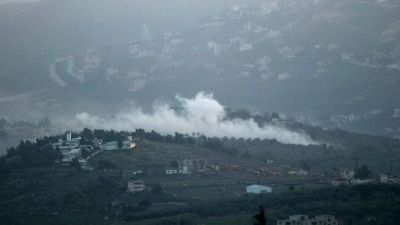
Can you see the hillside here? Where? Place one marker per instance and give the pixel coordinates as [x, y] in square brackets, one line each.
[39, 190]
[334, 64]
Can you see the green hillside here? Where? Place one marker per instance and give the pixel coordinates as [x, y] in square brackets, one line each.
[36, 190]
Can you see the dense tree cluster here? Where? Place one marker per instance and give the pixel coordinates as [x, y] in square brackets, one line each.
[139, 134]
[31, 154]
[43, 122]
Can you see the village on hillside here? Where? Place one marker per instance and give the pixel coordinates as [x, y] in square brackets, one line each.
[259, 178]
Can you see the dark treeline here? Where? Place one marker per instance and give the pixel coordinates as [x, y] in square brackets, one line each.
[30, 154]
[88, 136]
[43, 122]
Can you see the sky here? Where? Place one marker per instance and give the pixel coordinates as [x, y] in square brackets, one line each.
[7, 1]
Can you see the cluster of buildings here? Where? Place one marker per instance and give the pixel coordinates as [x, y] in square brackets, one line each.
[188, 166]
[305, 220]
[71, 148]
[299, 172]
[348, 177]
[91, 62]
[389, 179]
[114, 145]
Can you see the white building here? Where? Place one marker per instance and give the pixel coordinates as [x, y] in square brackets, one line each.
[358, 181]
[387, 179]
[112, 145]
[216, 48]
[136, 186]
[258, 189]
[68, 156]
[69, 136]
[170, 171]
[245, 47]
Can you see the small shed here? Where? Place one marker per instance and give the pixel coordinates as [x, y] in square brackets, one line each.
[258, 189]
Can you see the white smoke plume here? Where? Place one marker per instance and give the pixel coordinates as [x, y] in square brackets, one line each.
[201, 114]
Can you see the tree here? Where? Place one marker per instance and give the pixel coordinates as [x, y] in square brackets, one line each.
[104, 164]
[3, 165]
[246, 155]
[87, 135]
[101, 134]
[75, 164]
[154, 136]
[3, 134]
[44, 122]
[174, 164]
[178, 138]
[157, 189]
[120, 144]
[304, 165]
[85, 153]
[3, 122]
[363, 173]
[260, 216]
[145, 203]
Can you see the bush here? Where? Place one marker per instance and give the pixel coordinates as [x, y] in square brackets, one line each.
[104, 164]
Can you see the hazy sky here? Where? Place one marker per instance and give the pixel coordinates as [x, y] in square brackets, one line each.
[5, 1]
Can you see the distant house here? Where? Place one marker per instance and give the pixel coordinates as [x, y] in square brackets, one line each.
[305, 220]
[194, 165]
[68, 156]
[245, 47]
[258, 189]
[302, 173]
[109, 146]
[358, 181]
[113, 145]
[340, 181]
[298, 173]
[387, 179]
[136, 186]
[67, 145]
[170, 171]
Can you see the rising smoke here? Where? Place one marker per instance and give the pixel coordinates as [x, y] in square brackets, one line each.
[201, 114]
